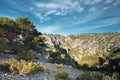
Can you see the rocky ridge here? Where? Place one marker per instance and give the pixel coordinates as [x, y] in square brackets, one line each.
[76, 46]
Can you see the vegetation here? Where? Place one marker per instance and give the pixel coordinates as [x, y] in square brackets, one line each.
[20, 37]
[18, 34]
[59, 66]
[56, 58]
[61, 75]
[92, 76]
[22, 66]
[116, 76]
[27, 55]
[99, 52]
[89, 60]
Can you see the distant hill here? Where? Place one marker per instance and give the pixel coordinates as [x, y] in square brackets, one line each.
[88, 49]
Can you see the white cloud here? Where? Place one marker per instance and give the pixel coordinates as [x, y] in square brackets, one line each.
[92, 9]
[87, 2]
[50, 12]
[105, 23]
[85, 19]
[105, 8]
[48, 29]
[91, 15]
[55, 12]
[48, 5]
[56, 8]
[116, 3]
[80, 9]
[95, 2]
[61, 13]
[92, 2]
[108, 1]
[100, 24]
[31, 9]
[39, 15]
[42, 18]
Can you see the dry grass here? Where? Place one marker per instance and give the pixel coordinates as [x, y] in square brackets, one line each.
[23, 67]
[59, 66]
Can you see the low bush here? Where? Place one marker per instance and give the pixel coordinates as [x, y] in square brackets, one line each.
[57, 58]
[61, 75]
[54, 54]
[92, 76]
[44, 68]
[89, 60]
[62, 56]
[4, 68]
[116, 76]
[27, 55]
[59, 66]
[23, 67]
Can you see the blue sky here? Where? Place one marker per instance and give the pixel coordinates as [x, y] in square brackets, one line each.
[66, 16]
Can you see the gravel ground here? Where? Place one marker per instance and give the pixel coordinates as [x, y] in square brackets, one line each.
[37, 76]
[73, 73]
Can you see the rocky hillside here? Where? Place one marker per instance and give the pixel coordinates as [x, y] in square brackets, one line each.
[86, 48]
[23, 49]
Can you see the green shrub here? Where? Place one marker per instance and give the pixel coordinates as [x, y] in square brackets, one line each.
[44, 68]
[92, 76]
[83, 76]
[56, 58]
[115, 76]
[27, 55]
[4, 68]
[23, 67]
[61, 75]
[59, 66]
[53, 54]
[89, 60]
[107, 78]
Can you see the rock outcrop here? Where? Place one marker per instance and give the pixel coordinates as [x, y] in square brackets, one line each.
[76, 46]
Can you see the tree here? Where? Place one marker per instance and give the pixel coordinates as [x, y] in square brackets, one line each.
[28, 32]
[25, 25]
[8, 29]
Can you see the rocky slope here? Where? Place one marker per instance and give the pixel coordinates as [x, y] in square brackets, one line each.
[73, 73]
[77, 46]
[74, 48]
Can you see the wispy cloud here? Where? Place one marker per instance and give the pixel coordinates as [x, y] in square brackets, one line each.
[108, 1]
[92, 9]
[65, 15]
[92, 2]
[98, 25]
[103, 23]
[41, 18]
[95, 2]
[48, 5]
[49, 29]
[58, 8]
[105, 8]
[90, 15]
[116, 2]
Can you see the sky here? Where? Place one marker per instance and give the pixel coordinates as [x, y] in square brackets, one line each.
[66, 17]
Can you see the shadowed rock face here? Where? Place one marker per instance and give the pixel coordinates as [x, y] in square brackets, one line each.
[117, 50]
[62, 50]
